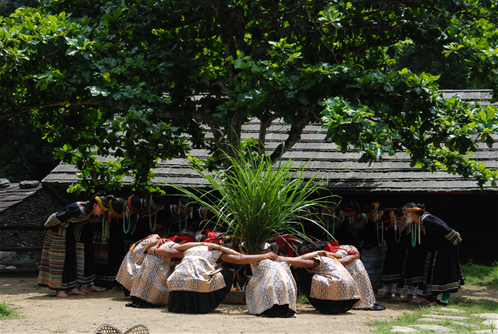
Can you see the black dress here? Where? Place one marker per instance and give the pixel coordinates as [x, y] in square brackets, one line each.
[67, 258]
[443, 273]
[394, 261]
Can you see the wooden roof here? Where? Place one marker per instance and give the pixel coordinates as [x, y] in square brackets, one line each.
[342, 171]
[13, 194]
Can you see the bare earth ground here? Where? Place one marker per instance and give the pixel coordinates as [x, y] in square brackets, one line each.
[42, 312]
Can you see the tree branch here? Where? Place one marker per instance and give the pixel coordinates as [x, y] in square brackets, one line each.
[26, 109]
[297, 127]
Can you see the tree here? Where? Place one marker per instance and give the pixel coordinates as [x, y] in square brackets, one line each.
[130, 79]
[24, 155]
[7, 7]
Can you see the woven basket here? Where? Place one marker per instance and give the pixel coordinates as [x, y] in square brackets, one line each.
[110, 329]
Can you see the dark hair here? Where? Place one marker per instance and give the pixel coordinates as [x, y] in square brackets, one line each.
[370, 207]
[321, 244]
[136, 204]
[117, 205]
[306, 247]
[350, 206]
[157, 200]
[399, 213]
[184, 233]
[386, 217]
[92, 201]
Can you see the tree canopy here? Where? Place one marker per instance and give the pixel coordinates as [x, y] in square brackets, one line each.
[130, 79]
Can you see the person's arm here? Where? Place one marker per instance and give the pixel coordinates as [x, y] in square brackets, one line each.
[154, 240]
[166, 252]
[438, 226]
[352, 250]
[299, 261]
[348, 259]
[175, 251]
[246, 259]
[224, 249]
[188, 245]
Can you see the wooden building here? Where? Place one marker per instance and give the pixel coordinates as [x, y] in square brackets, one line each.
[392, 182]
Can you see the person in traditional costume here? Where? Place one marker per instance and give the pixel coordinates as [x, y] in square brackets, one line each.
[198, 284]
[442, 274]
[109, 245]
[372, 248]
[357, 270]
[134, 258]
[413, 272]
[350, 223]
[324, 280]
[133, 208]
[147, 220]
[271, 291]
[149, 288]
[67, 261]
[395, 257]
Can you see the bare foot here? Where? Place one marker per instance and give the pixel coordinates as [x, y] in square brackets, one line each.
[399, 299]
[61, 294]
[82, 290]
[75, 292]
[93, 288]
[215, 311]
[315, 312]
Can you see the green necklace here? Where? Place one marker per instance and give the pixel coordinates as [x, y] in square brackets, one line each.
[125, 212]
[414, 234]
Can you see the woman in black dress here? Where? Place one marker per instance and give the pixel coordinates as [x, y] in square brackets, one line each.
[442, 275]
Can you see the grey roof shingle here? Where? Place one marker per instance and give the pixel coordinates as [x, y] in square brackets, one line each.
[13, 194]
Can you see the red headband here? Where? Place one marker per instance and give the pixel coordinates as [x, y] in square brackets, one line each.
[204, 231]
[288, 240]
[211, 238]
[333, 247]
[182, 237]
[350, 213]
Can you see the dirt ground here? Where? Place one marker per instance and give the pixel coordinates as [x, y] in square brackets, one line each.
[42, 312]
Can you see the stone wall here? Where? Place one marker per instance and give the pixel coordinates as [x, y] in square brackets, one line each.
[33, 210]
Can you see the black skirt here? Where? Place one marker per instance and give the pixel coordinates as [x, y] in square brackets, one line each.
[278, 311]
[394, 262]
[69, 273]
[200, 302]
[323, 306]
[443, 271]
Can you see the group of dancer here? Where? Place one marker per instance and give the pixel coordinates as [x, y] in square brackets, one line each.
[331, 276]
[403, 247]
[86, 241]
[193, 271]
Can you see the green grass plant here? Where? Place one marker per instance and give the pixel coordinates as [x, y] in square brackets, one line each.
[475, 276]
[412, 318]
[258, 200]
[481, 275]
[303, 300]
[6, 311]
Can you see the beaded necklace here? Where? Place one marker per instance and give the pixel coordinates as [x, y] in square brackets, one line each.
[151, 228]
[105, 228]
[126, 214]
[414, 233]
[376, 218]
[397, 235]
[380, 241]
